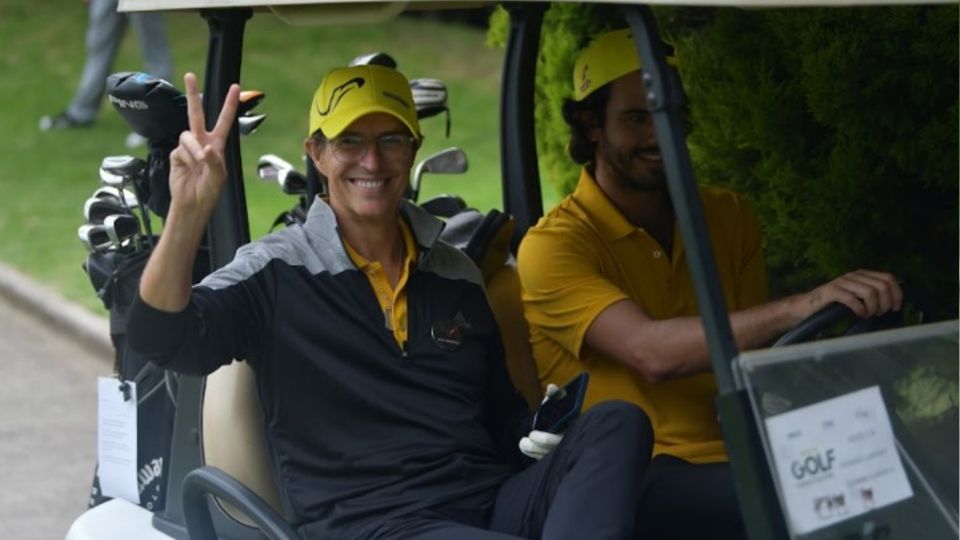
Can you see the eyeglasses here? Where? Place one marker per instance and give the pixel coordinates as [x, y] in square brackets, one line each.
[353, 148]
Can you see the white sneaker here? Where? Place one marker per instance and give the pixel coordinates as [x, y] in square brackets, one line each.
[135, 140]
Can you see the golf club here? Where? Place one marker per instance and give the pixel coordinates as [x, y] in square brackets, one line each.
[123, 228]
[95, 237]
[430, 98]
[249, 99]
[249, 124]
[95, 209]
[122, 195]
[444, 205]
[130, 170]
[374, 59]
[447, 161]
[126, 167]
[271, 167]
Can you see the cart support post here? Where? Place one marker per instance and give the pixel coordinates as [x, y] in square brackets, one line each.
[759, 505]
[228, 228]
[520, 173]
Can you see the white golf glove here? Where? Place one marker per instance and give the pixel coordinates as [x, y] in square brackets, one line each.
[539, 443]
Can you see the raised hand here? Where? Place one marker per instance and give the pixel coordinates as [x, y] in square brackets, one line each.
[197, 168]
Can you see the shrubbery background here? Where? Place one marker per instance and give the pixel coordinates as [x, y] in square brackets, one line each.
[841, 125]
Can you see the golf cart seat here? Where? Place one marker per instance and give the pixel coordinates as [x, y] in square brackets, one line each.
[486, 239]
[233, 432]
[236, 465]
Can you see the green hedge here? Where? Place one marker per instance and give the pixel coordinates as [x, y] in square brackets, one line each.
[840, 125]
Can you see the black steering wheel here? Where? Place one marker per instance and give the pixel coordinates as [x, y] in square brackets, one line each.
[808, 328]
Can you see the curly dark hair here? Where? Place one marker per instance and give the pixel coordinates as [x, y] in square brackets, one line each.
[582, 116]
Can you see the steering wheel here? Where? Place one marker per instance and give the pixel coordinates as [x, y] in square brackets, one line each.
[832, 313]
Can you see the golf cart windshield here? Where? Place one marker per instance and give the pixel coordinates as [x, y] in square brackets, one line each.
[861, 432]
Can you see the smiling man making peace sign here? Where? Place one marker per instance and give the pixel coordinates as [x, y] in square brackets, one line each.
[389, 412]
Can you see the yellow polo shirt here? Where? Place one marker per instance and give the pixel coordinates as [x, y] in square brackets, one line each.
[584, 255]
[393, 302]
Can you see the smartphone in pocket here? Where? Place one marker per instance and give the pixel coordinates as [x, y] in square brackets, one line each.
[559, 410]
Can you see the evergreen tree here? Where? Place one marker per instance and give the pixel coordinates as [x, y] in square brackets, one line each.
[841, 125]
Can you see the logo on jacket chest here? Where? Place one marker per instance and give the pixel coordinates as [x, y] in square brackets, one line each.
[448, 334]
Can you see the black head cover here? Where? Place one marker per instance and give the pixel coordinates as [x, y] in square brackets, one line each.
[152, 107]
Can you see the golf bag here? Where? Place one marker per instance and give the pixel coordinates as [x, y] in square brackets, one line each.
[115, 277]
[157, 111]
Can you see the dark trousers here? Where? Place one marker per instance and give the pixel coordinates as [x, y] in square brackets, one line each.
[681, 500]
[586, 488]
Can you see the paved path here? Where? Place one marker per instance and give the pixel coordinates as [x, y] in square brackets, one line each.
[47, 424]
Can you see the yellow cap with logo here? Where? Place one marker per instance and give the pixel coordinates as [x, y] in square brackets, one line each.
[346, 94]
[608, 57]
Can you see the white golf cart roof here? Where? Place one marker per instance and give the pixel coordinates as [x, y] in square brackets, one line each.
[155, 5]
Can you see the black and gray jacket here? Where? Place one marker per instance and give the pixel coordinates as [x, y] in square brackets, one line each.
[359, 429]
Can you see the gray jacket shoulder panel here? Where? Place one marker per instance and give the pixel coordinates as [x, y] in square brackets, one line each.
[449, 262]
[314, 245]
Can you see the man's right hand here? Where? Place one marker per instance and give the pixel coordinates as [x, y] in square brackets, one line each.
[197, 168]
[676, 347]
[867, 293]
[197, 176]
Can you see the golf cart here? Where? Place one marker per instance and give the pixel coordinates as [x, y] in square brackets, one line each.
[766, 399]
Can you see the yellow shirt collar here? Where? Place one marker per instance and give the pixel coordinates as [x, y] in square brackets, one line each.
[409, 248]
[608, 219]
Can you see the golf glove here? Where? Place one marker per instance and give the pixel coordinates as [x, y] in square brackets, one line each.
[539, 443]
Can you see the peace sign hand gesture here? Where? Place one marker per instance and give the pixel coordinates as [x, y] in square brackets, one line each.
[197, 168]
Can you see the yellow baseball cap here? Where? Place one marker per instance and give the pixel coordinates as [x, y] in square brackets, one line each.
[608, 57]
[346, 94]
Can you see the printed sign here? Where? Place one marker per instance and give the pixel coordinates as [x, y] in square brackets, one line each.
[836, 459]
[117, 438]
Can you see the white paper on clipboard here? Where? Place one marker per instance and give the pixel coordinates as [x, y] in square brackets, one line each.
[836, 459]
[117, 439]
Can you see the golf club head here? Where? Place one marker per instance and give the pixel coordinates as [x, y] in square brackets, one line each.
[444, 205]
[96, 209]
[428, 93]
[152, 107]
[249, 99]
[270, 166]
[375, 59]
[429, 96]
[249, 124]
[122, 228]
[127, 167]
[451, 160]
[94, 237]
[129, 198]
[273, 168]
[110, 179]
[293, 182]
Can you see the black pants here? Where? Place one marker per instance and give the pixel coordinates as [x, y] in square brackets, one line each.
[586, 488]
[681, 500]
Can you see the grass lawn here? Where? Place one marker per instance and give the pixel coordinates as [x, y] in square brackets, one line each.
[45, 177]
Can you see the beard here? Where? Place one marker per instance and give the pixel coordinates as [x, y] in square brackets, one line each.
[632, 171]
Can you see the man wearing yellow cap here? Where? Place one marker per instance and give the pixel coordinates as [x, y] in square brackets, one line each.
[389, 412]
[606, 290]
